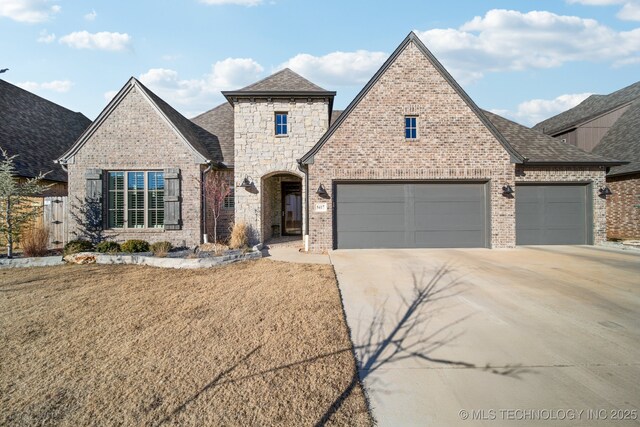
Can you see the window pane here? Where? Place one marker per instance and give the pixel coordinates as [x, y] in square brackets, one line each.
[155, 197]
[135, 180]
[115, 200]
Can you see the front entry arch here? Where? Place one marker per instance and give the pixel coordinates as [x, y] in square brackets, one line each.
[282, 205]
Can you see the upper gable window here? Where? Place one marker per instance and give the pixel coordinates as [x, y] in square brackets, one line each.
[281, 124]
[410, 127]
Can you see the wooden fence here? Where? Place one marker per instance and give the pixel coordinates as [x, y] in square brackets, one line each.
[55, 216]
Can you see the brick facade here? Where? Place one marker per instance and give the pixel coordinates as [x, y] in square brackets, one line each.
[593, 175]
[452, 144]
[260, 154]
[136, 137]
[623, 207]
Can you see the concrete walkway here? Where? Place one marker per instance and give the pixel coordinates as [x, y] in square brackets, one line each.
[490, 337]
[293, 254]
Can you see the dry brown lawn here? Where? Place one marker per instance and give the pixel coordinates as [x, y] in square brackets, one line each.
[256, 343]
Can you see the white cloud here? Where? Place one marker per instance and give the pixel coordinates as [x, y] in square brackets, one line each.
[30, 11]
[53, 86]
[202, 93]
[507, 40]
[535, 110]
[236, 2]
[91, 16]
[630, 10]
[97, 41]
[108, 96]
[337, 68]
[45, 37]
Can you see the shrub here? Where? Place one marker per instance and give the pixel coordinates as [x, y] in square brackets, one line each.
[108, 247]
[134, 245]
[161, 249]
[79, 245]
[239, 236]
[34, 241]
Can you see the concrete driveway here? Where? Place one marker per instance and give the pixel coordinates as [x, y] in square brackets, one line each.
[546, 335]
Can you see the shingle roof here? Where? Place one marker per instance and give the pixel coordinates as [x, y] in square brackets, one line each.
[200, 140]
[37, 131]
[622, 141]
[219, 122]
[592, 107]
[283, 81]
[540, 148]
[334, 116]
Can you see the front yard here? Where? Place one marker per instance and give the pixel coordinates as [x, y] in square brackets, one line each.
[256, 343]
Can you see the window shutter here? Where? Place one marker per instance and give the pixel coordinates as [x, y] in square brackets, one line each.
[94, 184]
[172, 199]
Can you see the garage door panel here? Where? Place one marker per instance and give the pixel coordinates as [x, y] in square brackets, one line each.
[448, 238]
[372, 222]
[552, 214]
[349, 208]
[411, 215]
[372, 239]
[382, 193]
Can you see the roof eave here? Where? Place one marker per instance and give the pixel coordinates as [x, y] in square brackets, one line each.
[232, 95]
[574, 163]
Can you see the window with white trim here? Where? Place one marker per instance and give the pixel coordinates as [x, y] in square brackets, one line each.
[281, 124]
[135, 199]
[410, 127]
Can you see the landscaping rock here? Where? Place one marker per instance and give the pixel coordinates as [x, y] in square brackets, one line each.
[46, 261]
[81, 258]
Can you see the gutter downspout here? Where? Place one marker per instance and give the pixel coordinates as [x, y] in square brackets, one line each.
[203, 226]
[62, 165]
[305, 170]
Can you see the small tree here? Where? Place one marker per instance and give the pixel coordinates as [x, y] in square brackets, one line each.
[216, 189]
[16, 209]
[87, 214]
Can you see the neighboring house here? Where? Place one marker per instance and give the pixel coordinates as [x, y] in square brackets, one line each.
[38, 131]
[609, 125]
[411, 162]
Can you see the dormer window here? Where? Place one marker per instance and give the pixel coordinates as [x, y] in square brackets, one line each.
[281, 124]
[410, 127]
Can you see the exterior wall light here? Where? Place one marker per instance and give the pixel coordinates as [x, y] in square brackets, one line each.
[247, 182]
[604, 192]
[322, 192]
[507, 191]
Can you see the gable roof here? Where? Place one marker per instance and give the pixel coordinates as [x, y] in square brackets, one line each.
[219, 122]
[622, 141]
[204, 145]
[37, 131]
[539, 148]
[411, 38]
[590, 108]
[283, 83]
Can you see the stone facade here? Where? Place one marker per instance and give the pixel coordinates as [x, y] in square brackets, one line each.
[623, 207]
[593, 175]
[260, 154]
[136, 137]
[452, 144]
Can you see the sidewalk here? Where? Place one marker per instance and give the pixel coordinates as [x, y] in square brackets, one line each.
[291, 251]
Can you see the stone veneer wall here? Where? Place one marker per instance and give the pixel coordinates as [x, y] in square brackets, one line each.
[452, 144]
[259, 153]
[623, 207]
[592, 174]
[135, 137]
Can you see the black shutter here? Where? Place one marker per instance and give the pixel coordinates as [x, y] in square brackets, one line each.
[172, 199]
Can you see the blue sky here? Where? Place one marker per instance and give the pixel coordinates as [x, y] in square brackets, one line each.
[527, 60]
